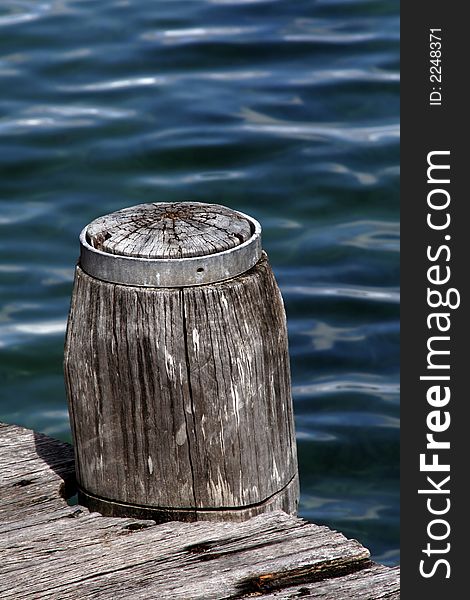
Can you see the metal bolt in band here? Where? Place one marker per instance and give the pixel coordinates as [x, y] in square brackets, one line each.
[172, 272]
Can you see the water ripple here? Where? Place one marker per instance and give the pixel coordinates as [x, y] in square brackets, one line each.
[344, 132]
[69, 110]
[234, 75]
[361, 177]
[188, 36]
[193, 178]
[381, 294]
[41, 117]
[337, 32]
[325, 336]
[347, 384]
[370, 235]
[24, 126]
[359, 419]
[21, 11]
[29, 211]
[334, 76]
[312, 435]
[241, 2]
[15, 333]
[116, 84]
[329, 38]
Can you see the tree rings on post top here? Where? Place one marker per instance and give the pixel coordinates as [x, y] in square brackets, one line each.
[170, 245]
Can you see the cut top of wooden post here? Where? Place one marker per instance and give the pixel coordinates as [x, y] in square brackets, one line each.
[164, 230]
[170, 244]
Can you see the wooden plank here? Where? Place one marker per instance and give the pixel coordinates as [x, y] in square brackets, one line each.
[112, 558]
[373, 583]
[54, 551]
[35, 471]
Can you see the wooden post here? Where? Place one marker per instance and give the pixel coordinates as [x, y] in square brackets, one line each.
[177, 368]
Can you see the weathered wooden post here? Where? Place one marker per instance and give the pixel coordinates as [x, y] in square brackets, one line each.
[177, 368]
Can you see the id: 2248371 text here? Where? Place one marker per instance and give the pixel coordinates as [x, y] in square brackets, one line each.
[435, 69]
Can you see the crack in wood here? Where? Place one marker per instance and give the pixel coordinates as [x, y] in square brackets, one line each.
[172, 230]
[314, 573]
[191, 398]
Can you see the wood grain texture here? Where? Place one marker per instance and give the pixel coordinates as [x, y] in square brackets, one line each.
[371, 583]
[238, 368]
[176, 230]
[35, 471]
[180, 398]
[53, 551]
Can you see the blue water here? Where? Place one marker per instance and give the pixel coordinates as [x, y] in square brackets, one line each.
[287, 110]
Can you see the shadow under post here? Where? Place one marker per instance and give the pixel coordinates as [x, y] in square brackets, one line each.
[59, 456]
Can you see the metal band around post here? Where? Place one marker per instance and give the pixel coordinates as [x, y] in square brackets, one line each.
[172, 272]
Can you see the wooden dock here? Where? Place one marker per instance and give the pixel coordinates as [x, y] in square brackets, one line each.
[51, 550]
